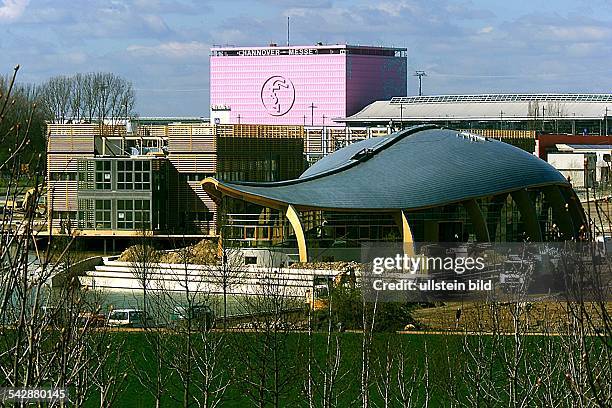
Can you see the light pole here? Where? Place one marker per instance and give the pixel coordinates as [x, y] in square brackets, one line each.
[420, 74]
[401, 115]
[312, 108]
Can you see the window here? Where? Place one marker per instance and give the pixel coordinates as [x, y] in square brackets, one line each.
[133, 175]
[133, 214]
[118, 316]
[103, 175]
[103, 214]
[250, 260]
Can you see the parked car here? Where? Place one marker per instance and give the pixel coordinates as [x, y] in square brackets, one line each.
[202, 317]
[128, 318]
[91, 319]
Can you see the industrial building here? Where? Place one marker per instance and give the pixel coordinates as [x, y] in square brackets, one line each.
[422, 184]
[513, 118]
[301, 85]
[118, 180]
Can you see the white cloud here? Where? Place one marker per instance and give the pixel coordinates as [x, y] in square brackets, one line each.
[580, 33]
[12, 9]
[172, 48]
[485, 30]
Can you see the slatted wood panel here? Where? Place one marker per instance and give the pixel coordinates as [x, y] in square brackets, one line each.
[64, 162]
[497, 133]
[70, 143]
[375, 132]
[62, 195]
[269, 131]
[314, 141]
[190, 142]
[194, 163]
[81, 129]
[153, 130]
[84, 129]
[202, 195]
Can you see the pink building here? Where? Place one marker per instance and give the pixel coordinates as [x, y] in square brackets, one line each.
[301, 85]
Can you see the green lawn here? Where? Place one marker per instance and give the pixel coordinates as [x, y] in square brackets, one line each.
[451, 370]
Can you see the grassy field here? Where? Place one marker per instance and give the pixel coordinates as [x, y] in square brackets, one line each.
[449, 367]
[139, 354]
[535, 317]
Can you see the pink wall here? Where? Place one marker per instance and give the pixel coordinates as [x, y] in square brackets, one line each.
[238, 81]
[278, 89]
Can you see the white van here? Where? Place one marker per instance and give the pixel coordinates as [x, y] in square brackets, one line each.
[128, 318]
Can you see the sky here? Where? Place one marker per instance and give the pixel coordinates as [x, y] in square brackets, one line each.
[162, 47]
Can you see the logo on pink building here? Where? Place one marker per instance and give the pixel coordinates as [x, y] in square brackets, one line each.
[278, 95]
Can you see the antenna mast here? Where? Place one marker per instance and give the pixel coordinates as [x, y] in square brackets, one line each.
[287, 31]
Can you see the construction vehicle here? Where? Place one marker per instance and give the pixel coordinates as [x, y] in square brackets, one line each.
[317, 298]
[40, 207]
[21, 204]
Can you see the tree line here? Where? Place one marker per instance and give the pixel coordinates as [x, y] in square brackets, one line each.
[83, 97]
[88, 97]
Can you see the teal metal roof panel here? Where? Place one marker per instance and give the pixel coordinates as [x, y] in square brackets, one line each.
[415, 168]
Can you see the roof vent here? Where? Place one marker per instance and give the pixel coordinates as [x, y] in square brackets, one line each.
[363, 153]
[472, 137]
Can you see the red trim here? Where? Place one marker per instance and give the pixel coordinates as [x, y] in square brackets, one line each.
[546, 143]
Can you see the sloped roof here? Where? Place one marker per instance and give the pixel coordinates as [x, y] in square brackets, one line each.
[423, 166]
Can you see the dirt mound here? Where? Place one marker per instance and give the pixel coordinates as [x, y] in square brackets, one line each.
[140, 253]
[202, 253]
[334, 266]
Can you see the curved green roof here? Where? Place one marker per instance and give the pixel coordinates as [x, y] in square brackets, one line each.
[423, 166]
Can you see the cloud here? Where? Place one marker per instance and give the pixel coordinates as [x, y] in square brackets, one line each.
[172, 49]
[12, 9]
[485, 30]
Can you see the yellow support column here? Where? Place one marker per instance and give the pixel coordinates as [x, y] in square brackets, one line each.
[407, 238]
[296, 223]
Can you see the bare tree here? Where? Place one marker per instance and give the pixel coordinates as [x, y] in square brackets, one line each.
[57, 96]
[227, 273]
[266, 372]
[100, 96]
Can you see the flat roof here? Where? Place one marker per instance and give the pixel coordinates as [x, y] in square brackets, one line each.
[514, 97]
[485, 107]
[314, 46]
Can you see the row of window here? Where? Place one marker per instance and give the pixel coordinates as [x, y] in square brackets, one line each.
[131, 214]
[63, 176]
[196, 176]
[131, 175]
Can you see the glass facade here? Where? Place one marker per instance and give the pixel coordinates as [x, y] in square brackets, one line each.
[121, 196]
[497, 218]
